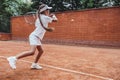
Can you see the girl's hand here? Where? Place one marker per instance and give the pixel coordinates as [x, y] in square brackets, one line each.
[51, 15]
[50, 29]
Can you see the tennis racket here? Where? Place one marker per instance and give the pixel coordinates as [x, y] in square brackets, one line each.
[30, 17]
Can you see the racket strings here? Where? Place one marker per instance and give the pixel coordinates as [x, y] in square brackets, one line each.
[30, 18]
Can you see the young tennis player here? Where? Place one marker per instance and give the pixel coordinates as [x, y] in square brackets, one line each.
[35, 38]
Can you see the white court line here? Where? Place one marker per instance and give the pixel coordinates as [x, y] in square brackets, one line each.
[67, 70]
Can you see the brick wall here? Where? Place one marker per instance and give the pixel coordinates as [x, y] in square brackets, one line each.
[5, 36]
[96, 26]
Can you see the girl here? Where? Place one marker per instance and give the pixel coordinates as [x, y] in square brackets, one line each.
[44, 17]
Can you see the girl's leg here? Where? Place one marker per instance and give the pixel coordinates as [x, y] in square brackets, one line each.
[27, 53]
[40, 51]
[12, 60]
[35, 65]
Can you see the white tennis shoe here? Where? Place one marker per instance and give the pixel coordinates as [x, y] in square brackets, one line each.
[35, 66]
[12, 62]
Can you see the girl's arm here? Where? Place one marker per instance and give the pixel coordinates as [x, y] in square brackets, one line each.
[50, 29]
[53, 17]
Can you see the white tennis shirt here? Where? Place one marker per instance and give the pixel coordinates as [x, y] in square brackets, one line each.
[39, 30]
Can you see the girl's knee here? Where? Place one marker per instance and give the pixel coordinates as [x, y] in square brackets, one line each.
[39, 48]
[41, 51]
[31, 52]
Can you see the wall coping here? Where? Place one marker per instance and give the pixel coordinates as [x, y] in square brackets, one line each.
[4, 33]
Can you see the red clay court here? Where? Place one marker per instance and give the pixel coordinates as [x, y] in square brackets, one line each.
[61, 62]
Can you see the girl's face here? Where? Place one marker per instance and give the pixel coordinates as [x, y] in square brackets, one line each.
[47, 12]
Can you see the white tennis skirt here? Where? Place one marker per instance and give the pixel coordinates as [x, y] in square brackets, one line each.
[34, 40]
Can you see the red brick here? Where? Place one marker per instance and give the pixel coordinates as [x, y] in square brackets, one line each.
[5, 36]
